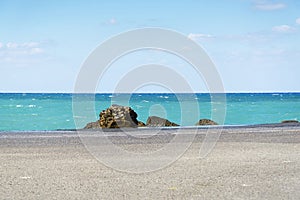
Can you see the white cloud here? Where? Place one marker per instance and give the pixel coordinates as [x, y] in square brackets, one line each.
[13, 52]
[30, 44]
[36, 51]
[12, 45]
[27, 47]
[283, 29]
[112, 21]
[197, 36]
[268, 6]
[298, 21]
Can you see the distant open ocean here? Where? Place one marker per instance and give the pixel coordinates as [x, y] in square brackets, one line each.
[38, 111]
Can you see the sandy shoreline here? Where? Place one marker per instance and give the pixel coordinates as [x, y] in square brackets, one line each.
[260, 162]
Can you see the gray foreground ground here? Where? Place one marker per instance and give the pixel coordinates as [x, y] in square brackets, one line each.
[246, 163]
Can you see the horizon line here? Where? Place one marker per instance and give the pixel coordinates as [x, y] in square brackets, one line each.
[197, 92]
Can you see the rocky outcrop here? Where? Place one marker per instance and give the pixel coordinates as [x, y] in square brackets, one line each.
[116, 116]
[289, 121]
[205, 122]
[159, 122]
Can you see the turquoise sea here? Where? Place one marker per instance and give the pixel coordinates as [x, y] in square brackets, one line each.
[38, 111]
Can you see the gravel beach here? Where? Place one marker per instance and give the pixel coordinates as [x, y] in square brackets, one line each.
[254, 162]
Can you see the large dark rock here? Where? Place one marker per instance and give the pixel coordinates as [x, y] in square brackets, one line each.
[158, 121]
[116, 116]
[206, 122]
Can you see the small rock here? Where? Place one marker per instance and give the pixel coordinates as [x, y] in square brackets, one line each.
[92, 125]
[159, 122]
[290, 121]
[205, 122]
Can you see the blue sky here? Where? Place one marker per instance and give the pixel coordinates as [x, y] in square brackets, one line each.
[255, 44]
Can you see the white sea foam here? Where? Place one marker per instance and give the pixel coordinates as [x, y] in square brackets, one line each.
[163, 97]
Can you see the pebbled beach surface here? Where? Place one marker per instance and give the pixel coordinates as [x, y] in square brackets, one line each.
[247, 162]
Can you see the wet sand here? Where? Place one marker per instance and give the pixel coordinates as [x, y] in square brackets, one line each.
[260, 162]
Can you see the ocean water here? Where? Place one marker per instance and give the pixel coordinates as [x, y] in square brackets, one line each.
[36, 111]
